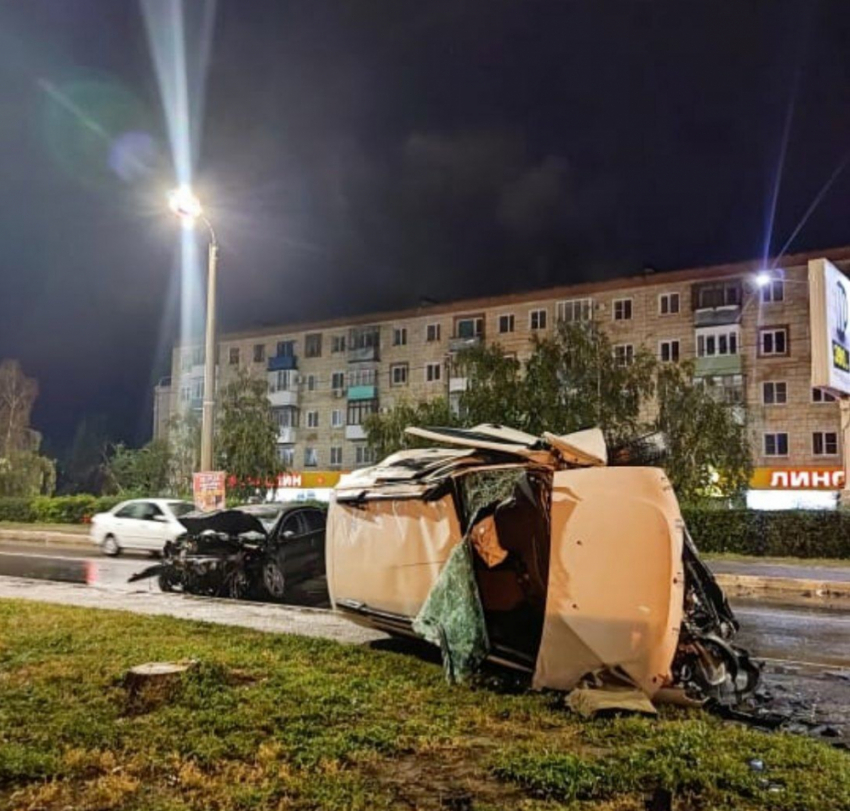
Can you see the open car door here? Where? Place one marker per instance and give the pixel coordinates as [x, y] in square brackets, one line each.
[616, 583]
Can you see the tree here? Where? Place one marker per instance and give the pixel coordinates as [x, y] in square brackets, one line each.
[145, 471]
[247, 434]
[17, 395]
[385, 431]
[575, 379]
[23, 471]
[85, 466]
[184, 443]
[709, 452]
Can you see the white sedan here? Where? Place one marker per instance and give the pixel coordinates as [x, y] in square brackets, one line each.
[141, 524]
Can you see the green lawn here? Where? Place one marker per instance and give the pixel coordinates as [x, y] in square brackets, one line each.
[280, 722]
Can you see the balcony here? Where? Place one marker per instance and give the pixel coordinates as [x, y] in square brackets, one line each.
[458, 344]
[364, 353]
[362, 392]
[718, 316]
[283, 397]
[279, 363]
[285, 435]
[714, 365]
[457, 384]
[354, 432]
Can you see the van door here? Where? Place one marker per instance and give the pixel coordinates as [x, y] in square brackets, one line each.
[616, 581]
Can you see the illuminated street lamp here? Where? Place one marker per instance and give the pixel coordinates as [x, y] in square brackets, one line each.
[183, 202]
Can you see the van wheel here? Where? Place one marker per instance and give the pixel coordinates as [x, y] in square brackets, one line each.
[110, 546]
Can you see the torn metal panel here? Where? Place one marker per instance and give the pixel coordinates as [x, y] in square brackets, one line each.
[616, 584]
[580, 448]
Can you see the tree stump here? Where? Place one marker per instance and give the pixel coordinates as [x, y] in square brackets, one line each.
[152, 684]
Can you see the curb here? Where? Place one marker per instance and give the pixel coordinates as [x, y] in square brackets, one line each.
[745, 585]
[45, 536]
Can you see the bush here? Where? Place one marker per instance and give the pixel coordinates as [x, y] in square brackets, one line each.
[55, 509]
[776, 533]
[16, 509]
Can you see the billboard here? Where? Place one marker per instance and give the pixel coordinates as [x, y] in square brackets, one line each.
[829, 294]
[209, 490]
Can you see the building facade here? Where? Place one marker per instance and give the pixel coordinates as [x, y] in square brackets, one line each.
[750, 344]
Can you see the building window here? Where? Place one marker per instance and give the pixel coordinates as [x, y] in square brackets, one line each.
[537, 319]
[364, 338]
[717, 341]
[361, 377]
[185, 394]
[400, 336]
[821, 396]
[774, 393]
[432, 372]
[773, 341]
[717, 294]
[622, 309]
[825, 443]
[358, 410]
[311, 457]
[233, 356]
[668, 304]
[726, 389]
[669, 351]
[338, 381]
[281, 381]
[286, 455]
[313, 345]
[337, 343]
[259, 353]
[286, 417]
[773, 291]
[398, 374]
[286, 349]
[186, 362]
[337, 419]
[469, 327]
[432, 333]
[624, 354]
[198, 356]
[776, 444]
[506, 323]
[311, 382]
[336, 456]
[575, 310]
[312, 419]
[364, 455]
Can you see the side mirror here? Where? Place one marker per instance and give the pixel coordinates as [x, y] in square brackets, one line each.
[289, 534]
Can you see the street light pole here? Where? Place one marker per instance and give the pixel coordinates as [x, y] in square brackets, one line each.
[208, 412]
[187, 206]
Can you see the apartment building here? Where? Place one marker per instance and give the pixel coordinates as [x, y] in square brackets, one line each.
[750, 344]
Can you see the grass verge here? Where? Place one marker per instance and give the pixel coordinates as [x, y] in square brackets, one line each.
[281, 722]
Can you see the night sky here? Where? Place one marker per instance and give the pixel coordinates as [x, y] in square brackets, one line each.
[357, 156]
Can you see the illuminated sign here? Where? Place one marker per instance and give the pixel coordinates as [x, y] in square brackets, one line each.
[309, 479]
[209, 490]
[797, 478]
[829, 294]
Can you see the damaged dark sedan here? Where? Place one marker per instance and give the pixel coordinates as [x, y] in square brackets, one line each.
[256, 552]
[545, 554]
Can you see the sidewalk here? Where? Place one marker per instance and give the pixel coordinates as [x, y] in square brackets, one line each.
[74, 535]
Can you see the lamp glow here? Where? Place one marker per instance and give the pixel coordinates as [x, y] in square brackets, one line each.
[763, 279]
[183, 202]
